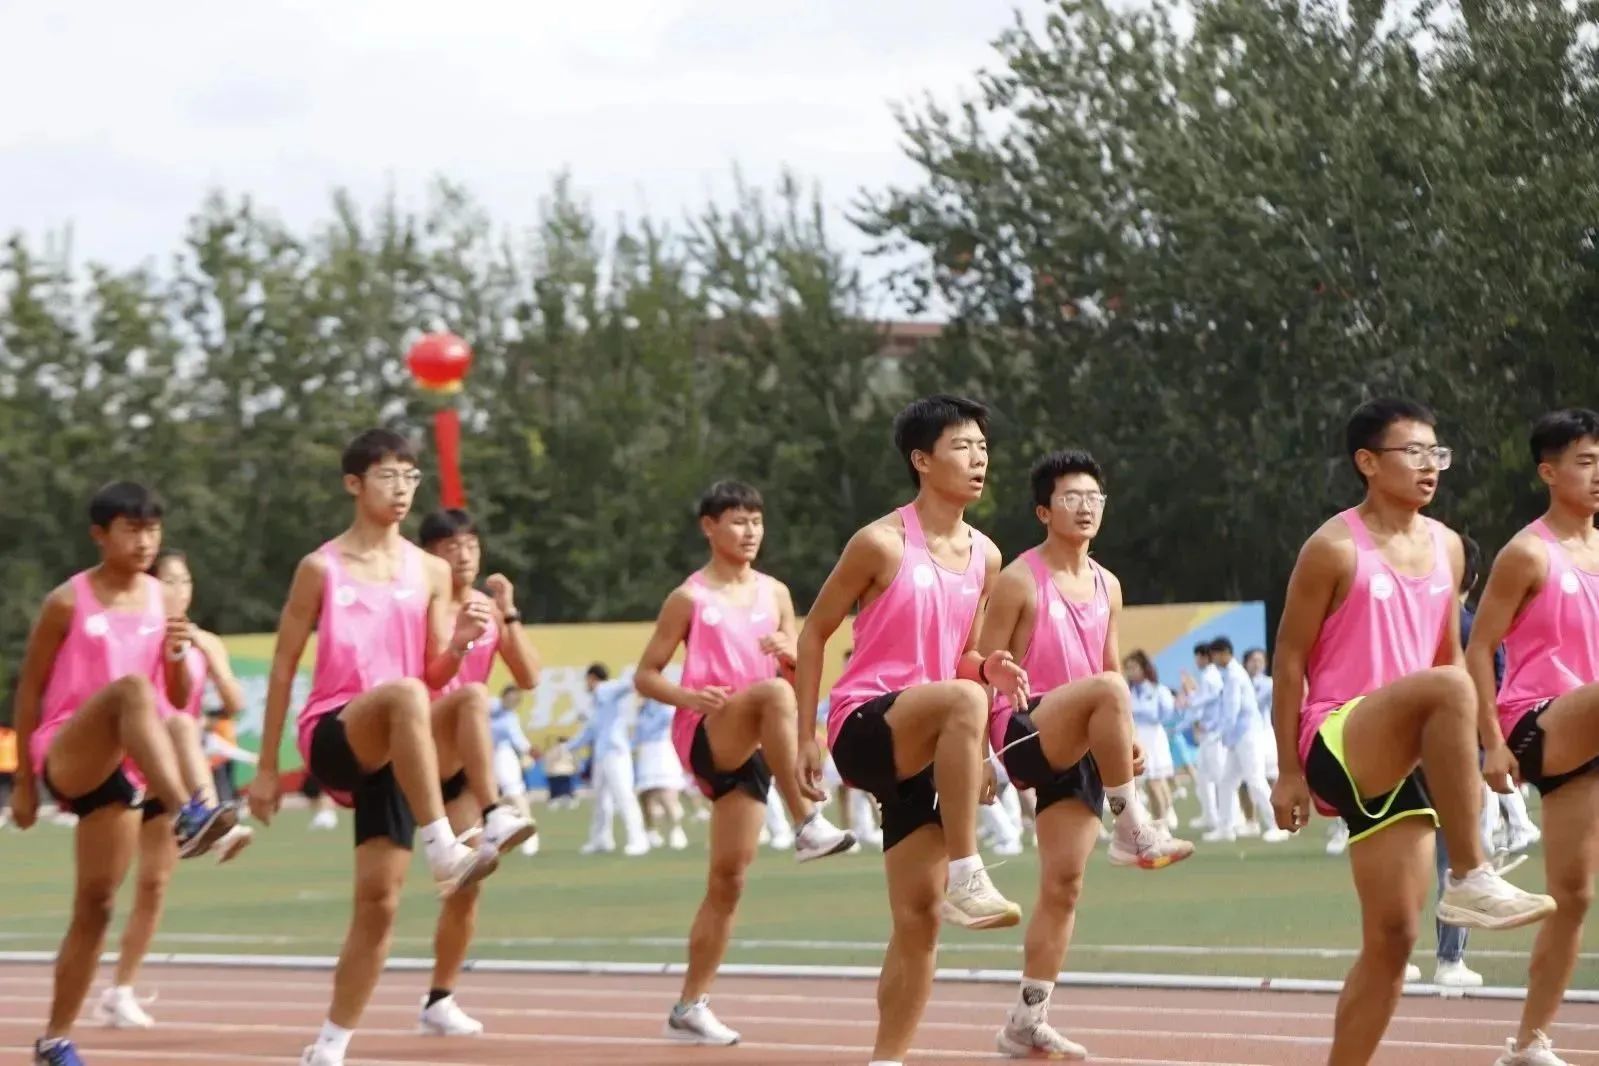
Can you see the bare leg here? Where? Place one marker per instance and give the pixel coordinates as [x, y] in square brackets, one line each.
[1571, 859]
[184, 733]
[1393, 872]
[391, 725]
[464, 742]
[1090, 715]
[917, 869]
[104, 843]
[1067, 834]
[380, 866]
[158, 856]
[762, 716]
[735, 826]
[458, 913]
[117, 722]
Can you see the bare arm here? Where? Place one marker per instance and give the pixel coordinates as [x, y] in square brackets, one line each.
[1311, 588]
[671, 629]
[221, 670]
[1013, 592]
[972, 661]
[516, 647]
[299, 617]
[1515, 578]
[44, 640]
[1449, 651]
[1113, 649]
[867, 554]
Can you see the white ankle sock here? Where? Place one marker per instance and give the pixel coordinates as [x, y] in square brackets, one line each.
[1032, 1005]
[438, 840]
[1123, 803]
[335, 1038]
[960, 870]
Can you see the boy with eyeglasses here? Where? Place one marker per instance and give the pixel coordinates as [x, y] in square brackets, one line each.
[1370, 628]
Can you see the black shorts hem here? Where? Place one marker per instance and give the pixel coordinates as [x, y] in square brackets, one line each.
[1330, 781]
[1028, 767]
[1526, 742]
[753, 778]
[118, 790]
[380, 808]
[863, 752]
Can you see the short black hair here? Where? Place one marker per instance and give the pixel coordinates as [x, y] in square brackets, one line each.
[1221, 644]
[444, 524]
[1202, 648]
[918, 427]
[163, 555]
[1556, 431]
[1473, 569]
[1056, 465]
[370, 447]
[728, 495]
[124, 499]
[1254, 651]
[1371, 420]
[598, 672]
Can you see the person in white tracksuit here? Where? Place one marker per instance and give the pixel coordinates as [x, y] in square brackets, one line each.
[1255, 665]
[607, 734]
[1239, 719]
[1201, 704]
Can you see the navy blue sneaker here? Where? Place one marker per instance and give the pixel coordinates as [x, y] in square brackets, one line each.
[56, 1053]
[198, 826]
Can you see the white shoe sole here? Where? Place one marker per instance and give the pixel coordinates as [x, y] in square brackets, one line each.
[688, 1036]
[1004, 920]
[518, 838]
[1013, 1050]
[107, 1020]
[424, 1029]
[1466, 919]
[843, 844]
[484, 864]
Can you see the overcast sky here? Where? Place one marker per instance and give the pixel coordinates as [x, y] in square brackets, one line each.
[118, 117]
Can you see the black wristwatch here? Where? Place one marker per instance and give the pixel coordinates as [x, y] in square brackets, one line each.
[512, 617]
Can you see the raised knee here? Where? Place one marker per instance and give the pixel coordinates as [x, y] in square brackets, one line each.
[776, 693]
[134, 691]
[968, 705]
[1454, 690]
[477, 697]
[407, 698]
[1112, 688]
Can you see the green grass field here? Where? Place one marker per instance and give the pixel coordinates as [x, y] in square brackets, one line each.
[1242, 910]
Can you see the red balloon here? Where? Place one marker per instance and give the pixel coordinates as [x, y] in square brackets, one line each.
[439, 361]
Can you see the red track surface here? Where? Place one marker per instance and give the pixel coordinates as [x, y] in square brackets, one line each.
[237, 1016]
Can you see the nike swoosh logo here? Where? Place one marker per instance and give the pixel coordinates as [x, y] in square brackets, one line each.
[145, 631]
[1436, 589]
[970, 592]
[404, 594]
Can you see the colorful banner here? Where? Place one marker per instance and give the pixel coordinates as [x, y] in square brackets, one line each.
[555, 708]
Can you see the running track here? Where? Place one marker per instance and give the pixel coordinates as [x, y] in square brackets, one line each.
[239, 1016]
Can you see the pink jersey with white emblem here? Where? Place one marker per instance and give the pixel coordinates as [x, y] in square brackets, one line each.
[723, 647]
[1068, 641]
[101, 646]
[916, 631]
[367, 635]
[1553, 645]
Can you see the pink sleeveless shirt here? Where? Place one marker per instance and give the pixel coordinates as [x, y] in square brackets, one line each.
[1553, 646]
[916, 631]
[194, 662]
[723, 647]
[367, 635]
[1068, 641]
[101, 646]
[479, 662]
[1390, 625]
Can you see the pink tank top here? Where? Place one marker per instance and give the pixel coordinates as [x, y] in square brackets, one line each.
[1553, 647]
[479, 662]
[1068, 641]
[101, 646]
[1390, 625]
[194, 661]
[723, 647]
[367, 635]
[916, 631]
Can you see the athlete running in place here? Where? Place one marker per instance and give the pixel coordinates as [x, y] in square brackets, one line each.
[912, 704]
[1056, 610]
[734, 727]
[1542, 726]
[89, 731]
[381, 610]
[206, 659]
[1370, 626]
[460, 716]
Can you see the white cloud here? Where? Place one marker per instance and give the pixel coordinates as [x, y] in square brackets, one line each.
[120, 117]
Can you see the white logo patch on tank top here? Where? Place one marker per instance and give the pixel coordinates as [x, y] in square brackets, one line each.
[344, 596]
[923, 576]
[1382, 586]
[711, 616]
[96, 625]
[1569, 584]
[1057, 610]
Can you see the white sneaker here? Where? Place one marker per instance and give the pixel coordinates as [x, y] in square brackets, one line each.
[1147, 846]
[592, 848]
[1172, 821]
[1338, 842]
[976, 904]
[465, 867]
[324, 820]
[1200, 822]
[1217, 836]
[819, 838]
[1412, 973]
[702, 815]
[119, 1008]
[634, 850]
[781, 841]
[446, 1018]
[1484, 900]
[697, 1025]
[233, 841]
[320, 1056]
[530, 846]
[1246, 829]
[1275, 836]
[1040, 1041]
[1456, 974]
[677, 840]
[506, 828]
[1523, 837]
[1010, 848]
[655, 838]
[1541, 1052]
